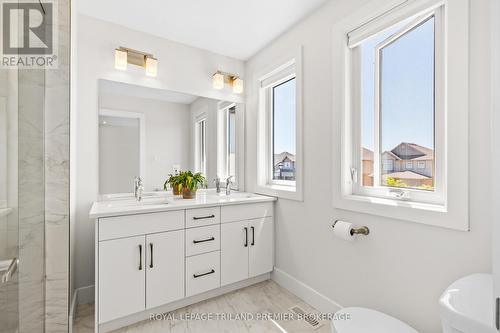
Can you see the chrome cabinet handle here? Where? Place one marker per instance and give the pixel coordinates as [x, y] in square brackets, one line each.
[253, 236]
[203, 217]
[246, 237]
[140, 257]
[151, 250]
[204, 240]
[212, 271]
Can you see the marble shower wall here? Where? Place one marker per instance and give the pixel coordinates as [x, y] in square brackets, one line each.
[57, 163]
[44, 109]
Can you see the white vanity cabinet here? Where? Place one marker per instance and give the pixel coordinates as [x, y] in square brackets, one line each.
[122, 277]
[247, 241]
[158, 261]
[139, 270]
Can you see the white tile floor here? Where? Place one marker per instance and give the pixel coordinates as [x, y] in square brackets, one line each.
[264, 297]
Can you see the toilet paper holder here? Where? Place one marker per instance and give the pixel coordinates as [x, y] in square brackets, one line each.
[356, 231]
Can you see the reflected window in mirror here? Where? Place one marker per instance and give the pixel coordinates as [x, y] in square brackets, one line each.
[201, 145]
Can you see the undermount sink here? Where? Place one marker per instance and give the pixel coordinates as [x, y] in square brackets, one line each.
[134, 203]
[467, 305]
[238, 195]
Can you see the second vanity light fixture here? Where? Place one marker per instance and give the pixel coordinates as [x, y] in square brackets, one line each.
[220, 78]
[124, 56]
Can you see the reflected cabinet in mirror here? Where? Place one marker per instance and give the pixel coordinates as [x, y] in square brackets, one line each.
[152, 133]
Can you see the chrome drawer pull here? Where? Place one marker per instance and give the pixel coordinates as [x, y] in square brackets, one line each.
[204, 217]
[203, 274]
[204, 240]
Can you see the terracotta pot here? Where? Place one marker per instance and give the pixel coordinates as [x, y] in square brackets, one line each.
[175, 190]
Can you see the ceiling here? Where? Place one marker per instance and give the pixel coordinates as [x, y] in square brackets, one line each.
[235, 28]
[125, 89]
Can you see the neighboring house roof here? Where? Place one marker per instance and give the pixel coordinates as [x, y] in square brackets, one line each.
[412, 151]
[391, 154]
[279, 158]
[406, 175]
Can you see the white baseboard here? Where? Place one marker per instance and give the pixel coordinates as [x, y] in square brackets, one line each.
[314, 298]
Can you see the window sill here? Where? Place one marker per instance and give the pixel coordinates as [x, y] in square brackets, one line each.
[280, 191]
[425, 213]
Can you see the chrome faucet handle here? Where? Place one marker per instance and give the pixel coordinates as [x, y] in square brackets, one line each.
[228, 185]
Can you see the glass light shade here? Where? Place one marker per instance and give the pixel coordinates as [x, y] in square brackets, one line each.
[218, 81]
[237, 85]
[121, 59]
[151, 66]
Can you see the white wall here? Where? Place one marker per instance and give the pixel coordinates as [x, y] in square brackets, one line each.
[181, 68]
[167, 130]
[401, 268]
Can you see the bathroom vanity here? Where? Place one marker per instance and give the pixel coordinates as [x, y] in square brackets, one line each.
[164, 252]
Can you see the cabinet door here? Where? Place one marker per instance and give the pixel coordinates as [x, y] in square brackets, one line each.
[234, 252]
[122, 277]
[261, 245]
[165, 268]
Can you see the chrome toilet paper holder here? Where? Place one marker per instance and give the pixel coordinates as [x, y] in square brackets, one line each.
[364, 230]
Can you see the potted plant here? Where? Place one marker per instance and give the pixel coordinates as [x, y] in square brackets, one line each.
[174, 182]
[190, 183]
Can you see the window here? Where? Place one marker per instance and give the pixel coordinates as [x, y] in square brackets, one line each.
[231, 143]
[201, 146]
[387, 165]
[399, 73]
[283, 133]
[280, 132]
[403, 117]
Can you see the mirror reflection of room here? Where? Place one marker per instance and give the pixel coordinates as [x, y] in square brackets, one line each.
[151, 133]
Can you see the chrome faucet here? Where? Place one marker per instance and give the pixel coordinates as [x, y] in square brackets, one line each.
[228, 185]
[138, 188]
[217, 184]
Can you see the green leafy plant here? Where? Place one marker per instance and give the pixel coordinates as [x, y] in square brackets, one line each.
[191, 181]
[395, 182]
[174, 182]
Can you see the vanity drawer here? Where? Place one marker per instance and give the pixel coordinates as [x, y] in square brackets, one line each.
[140, 224]
[202, 273]
[202, 240]
[246, 212]
[202, 216]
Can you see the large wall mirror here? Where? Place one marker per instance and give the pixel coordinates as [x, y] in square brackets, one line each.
[151, 133]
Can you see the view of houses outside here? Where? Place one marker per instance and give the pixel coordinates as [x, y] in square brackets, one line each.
[406, 165]
[398, 67]
[284, 166]
[284, 140]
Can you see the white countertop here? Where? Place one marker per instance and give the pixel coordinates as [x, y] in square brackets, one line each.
[153, 202]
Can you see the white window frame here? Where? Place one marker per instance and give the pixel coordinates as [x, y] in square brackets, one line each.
[201, 144]
[447, 206]
[421, 165]
[289, 68]
[222, 143]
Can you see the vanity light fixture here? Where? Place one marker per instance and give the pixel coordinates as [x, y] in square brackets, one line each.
[121, 59]
[220, 78]
[237, 85]
[218, 81]
[124, 56]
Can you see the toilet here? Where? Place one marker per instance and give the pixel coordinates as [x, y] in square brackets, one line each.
[363, 320]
